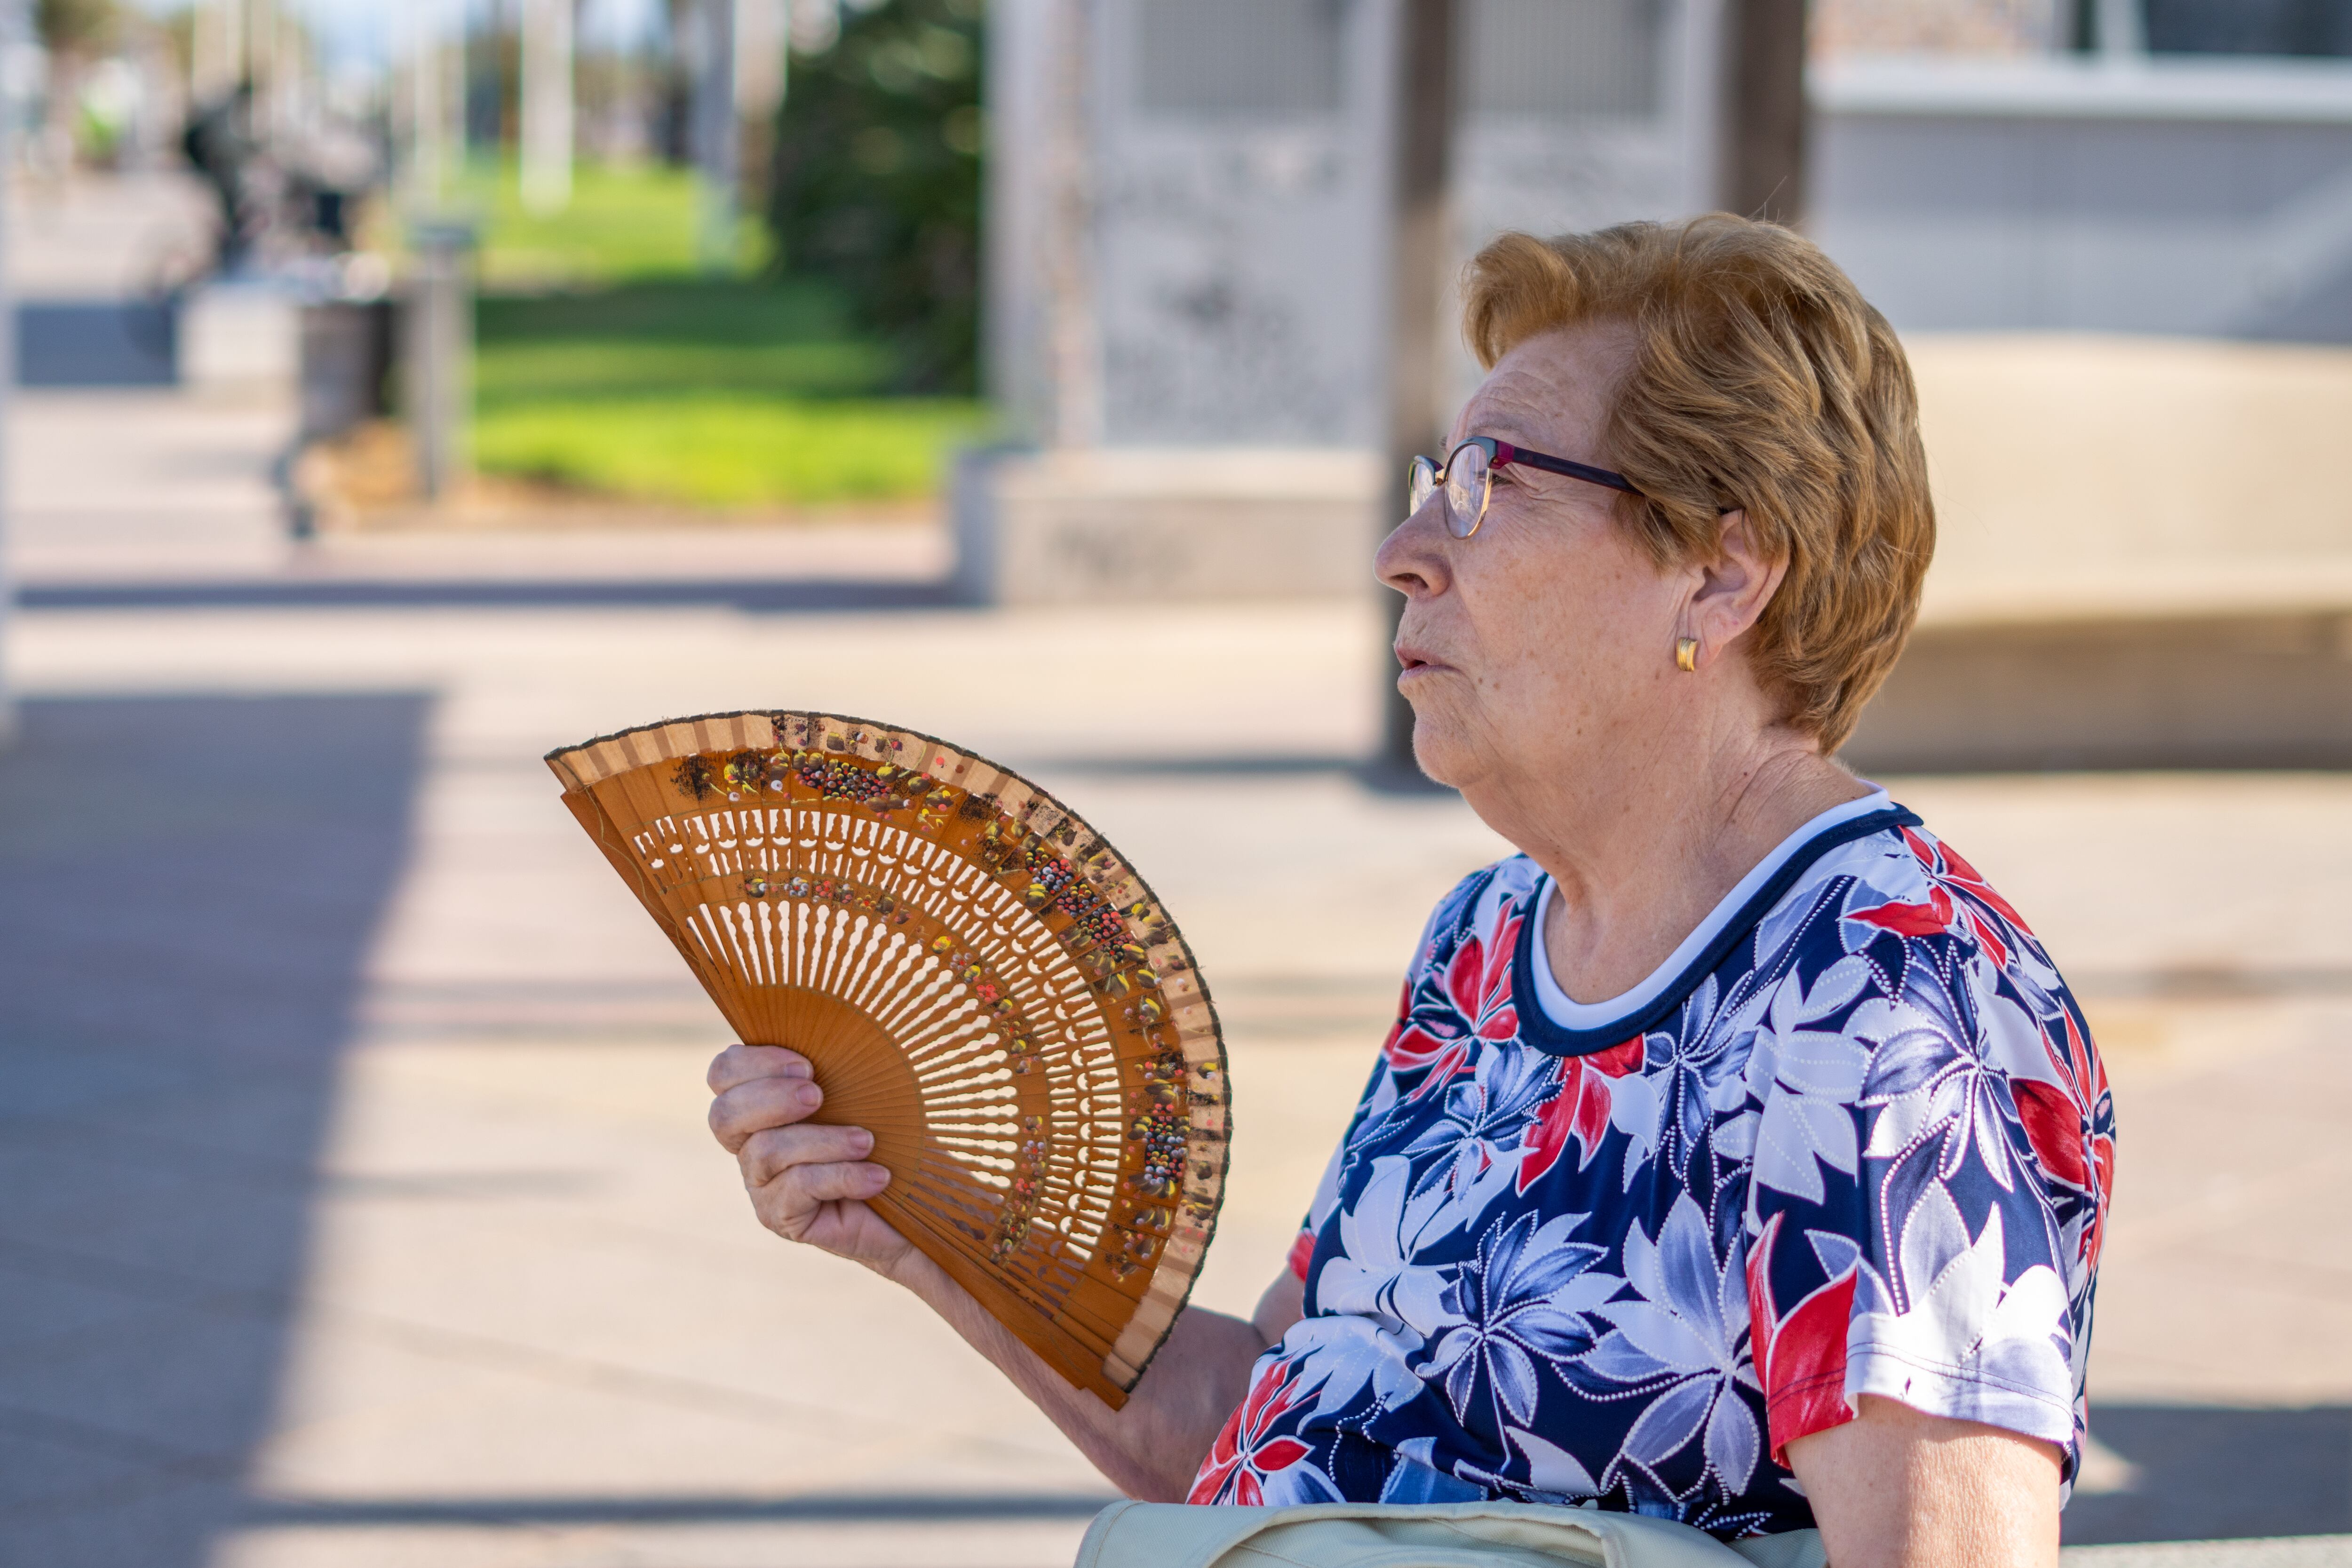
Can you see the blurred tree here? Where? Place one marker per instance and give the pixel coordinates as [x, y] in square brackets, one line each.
[877, 180]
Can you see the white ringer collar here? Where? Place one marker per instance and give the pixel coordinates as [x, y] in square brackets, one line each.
[1570, 1014]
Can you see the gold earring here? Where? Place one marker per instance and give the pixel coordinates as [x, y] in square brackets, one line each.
[1686, 655]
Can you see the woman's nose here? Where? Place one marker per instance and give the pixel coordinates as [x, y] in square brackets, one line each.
[1412, 559]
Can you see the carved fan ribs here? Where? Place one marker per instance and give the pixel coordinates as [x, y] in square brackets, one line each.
[975, 977]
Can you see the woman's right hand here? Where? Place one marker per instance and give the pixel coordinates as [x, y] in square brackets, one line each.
[807, 1183]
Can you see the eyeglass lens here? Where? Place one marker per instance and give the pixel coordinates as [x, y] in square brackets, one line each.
[1466, 477]
[1420, 484]
[1466, 481]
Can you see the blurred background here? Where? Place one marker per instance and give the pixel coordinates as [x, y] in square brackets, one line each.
[401, 390]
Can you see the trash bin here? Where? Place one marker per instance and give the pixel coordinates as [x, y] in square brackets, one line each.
[346, 351]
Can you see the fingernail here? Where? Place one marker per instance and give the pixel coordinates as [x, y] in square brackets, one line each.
[876, 1178]
[808, 1094]
[864, 1141]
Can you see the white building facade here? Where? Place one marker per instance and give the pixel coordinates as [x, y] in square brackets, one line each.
[1188, 234]
[2164, 194]
[1220, 277]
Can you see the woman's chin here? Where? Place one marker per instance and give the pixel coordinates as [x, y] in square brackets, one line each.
[1437, 751]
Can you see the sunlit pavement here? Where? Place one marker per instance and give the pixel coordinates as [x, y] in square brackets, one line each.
[358, 1205]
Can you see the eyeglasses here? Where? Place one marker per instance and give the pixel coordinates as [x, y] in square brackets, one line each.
[1468, 476]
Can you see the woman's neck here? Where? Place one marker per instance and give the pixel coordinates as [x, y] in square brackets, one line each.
[1643, 851]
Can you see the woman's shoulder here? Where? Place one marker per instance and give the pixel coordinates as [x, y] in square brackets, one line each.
[1907, 882]
[1899, 944]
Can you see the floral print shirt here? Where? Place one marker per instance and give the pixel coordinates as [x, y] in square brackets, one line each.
[1854, 1138]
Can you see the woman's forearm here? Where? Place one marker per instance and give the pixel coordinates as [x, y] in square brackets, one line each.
[1150, 1447]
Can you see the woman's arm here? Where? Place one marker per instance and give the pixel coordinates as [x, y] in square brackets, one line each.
[1895, 1489]
[1150, 1447]
[810, 1183]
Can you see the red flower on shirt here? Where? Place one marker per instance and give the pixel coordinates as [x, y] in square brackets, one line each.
[1579, 1111]
[1958, 888]
[1471, 1001]
[1933, 918]
[1800, 1358]
[2062, 1122]
[1243, 1454]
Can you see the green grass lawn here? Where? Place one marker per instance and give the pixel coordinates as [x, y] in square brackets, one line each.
[730, 449]
[624, 221]
[639, 378]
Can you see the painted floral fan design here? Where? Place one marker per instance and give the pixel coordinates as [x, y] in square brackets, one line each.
[978, 979]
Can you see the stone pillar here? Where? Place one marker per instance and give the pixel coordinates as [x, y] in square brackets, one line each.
[716, 138]
[1419, 251]
[436, 357]
[1761, 167]
[546, 105]
[16, 23]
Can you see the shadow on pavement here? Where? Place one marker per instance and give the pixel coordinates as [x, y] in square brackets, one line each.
[2194, 1474]
[188, 891]
[2219, 1474]
[750, 594]
[1238, 765]
[841, 1508]
[1376, 775]
[96, 343]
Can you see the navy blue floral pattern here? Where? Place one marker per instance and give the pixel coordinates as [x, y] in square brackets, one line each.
[1864, 1146]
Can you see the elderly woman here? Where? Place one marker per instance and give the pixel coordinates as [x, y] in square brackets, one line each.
[1737, 1154]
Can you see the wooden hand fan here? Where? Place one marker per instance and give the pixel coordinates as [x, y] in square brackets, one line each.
[978, 980]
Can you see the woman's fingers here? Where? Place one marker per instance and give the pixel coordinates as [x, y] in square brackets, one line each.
[803, 1187]
[824, 1205]
[756, 1088]
[759, 1104]
[769, 1153]
[742, 1064]
[808, 1182]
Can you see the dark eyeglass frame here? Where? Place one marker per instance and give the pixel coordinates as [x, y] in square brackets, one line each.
[1424, 479]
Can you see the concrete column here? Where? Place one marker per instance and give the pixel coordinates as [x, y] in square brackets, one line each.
[2123, 33]
[761, 26]
[717, 142]
[547, 105]
[430, 104]
[436, 357]
[14, 24]
[216, 47]
[260, 29]
[760, 29]
[1419, 251]
[1762, 162]
[1076, 341]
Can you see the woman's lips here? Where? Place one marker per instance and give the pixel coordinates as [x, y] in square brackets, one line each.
[1415, 661]
[1417, 666]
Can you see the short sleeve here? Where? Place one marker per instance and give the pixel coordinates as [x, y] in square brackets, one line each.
[1904, 1240]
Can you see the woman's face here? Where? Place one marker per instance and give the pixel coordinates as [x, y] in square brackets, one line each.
[1547, 638]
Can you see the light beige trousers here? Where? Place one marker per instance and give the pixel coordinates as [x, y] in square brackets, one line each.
[1420, 1535]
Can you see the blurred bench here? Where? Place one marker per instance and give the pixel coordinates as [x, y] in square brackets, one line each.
[1165, 523]
[2144, 559]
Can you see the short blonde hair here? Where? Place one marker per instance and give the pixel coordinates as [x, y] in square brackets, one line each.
[1761, 379]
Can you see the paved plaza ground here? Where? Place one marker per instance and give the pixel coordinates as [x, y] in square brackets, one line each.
[359, 1209]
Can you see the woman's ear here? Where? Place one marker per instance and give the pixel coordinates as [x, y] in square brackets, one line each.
[1733, 588]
